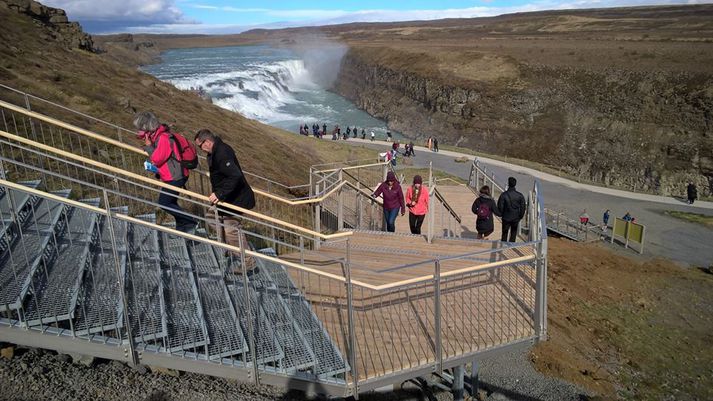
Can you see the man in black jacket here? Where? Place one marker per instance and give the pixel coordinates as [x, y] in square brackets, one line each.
[229, 185]
[512, 206]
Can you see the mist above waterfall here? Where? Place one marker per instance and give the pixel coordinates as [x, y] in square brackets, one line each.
[322, 58]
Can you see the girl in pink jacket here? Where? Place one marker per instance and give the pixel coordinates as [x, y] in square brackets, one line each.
[417, 203]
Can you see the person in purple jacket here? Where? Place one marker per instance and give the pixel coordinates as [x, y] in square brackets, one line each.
[393, 196]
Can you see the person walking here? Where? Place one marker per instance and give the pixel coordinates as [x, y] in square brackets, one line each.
[605, 219]
[373, 136]
[165, 154]
[692, 193]
[363, 133]
[393, 196]
[484, 207]
[417, 203]
[584, 218]
[435, 144]
[511, 205]
[229, 186]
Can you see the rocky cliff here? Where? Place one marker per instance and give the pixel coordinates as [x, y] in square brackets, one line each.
[643, 130]
[59, 28]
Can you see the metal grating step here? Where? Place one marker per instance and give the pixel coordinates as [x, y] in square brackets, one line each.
[329, 361]
[99, 307]
[204, 260]
[266, 347]
[186, 326]
[55, 290]
[226, 337]
[298, 355]
[20, 261]
[174, 251]
[144, 287]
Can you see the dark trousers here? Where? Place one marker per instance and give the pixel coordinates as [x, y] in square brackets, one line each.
[415, 221]
[168, 201]
[390, 217]
[509, 226]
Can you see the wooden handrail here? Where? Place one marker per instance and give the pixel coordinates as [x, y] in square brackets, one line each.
[352, 167]
[183, 191]
[134, 149]
[235, 249]
[168, 230]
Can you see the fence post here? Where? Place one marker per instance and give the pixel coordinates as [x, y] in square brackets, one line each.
[350, 321]
[437, 309]
[246, 288]
[340, 204]
[133, 357]
[541, 290]
[432, 189]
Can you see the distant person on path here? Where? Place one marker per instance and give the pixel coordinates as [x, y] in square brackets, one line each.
[324, 129]
[229, 186]
[484, 207]
[373, 136]
[363, 133]
[410, 148]
[584, 218]
[627, 217]
[388, 136]
[692, 193]
[512, 206]
[349, 131]
[429, 143]
[393, 196]
[417, 203]
[355, 132]
[165, 154]
[435, 144]
[605, 219]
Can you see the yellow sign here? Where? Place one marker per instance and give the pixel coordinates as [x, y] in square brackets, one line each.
[619, 229]
[636, 233]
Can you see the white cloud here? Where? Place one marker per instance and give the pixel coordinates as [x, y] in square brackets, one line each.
[127, 11]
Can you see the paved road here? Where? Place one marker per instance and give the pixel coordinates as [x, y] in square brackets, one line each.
[682, 241]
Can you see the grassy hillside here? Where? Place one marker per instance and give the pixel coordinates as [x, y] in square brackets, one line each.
[36, 57]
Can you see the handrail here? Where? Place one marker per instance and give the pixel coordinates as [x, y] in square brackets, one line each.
[445, 204]
[183, 191]
[120, 216]
[352, 167]
[235, 249]
[131, 148]
[356, 179]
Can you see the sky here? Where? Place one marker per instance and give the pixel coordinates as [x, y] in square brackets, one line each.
[223, 16]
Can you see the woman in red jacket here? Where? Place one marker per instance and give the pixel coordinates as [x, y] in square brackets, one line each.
[164, 153]
[417, 203]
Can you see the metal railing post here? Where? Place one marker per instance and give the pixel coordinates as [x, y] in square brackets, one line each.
[133, 357]
[246, 288]
[340, 204]
[437, 309]
[432, 193]
[350, 321]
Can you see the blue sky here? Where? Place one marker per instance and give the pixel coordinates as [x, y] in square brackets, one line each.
[223, 16]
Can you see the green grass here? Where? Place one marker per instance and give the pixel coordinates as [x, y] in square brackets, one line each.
[692, 217]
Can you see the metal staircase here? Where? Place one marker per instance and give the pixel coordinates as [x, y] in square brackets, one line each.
[61, 263]
[318, 313]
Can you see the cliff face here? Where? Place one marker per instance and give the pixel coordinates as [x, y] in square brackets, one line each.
[650, 131]
[58, 27]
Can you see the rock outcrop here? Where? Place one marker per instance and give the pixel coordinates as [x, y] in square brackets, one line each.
[647, 131]
[60, 29]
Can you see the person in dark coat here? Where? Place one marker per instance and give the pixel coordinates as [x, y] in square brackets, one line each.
[229, 186]
[512, 207]
[484, 207]
[692, 192]
[390, 190]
